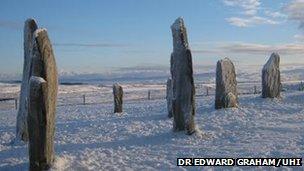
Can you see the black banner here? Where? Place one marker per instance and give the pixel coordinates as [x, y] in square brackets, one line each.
[277, 162]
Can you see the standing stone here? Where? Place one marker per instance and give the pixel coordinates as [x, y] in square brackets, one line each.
[118, 95]
[42, 102]
[43, 60]
[30, 27]
[44, 66]
[169, 97]
[271, 79]
[41, 128]
[183, 89]
[226, 86]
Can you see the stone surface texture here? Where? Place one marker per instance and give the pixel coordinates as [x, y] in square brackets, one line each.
[30, 27]
[226, 94]
[183, 102]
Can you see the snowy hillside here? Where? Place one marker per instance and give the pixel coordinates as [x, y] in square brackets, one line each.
[91, 137]
[157, 74]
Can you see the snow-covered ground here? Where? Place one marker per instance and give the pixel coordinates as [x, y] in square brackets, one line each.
[91, 137]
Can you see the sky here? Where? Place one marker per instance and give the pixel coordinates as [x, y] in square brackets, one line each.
[99, 35]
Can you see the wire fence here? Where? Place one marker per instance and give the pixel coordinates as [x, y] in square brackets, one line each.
[10, 101]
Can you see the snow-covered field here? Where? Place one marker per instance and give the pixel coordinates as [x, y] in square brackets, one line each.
[91, 137]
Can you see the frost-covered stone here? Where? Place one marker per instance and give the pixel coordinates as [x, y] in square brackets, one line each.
[43, 100]
[41, 125]
[183, 89]
[169, 97]
[231, 100]
[226, 86]
[271, 79]
[30, 27]
[118, 97]
[44, 66]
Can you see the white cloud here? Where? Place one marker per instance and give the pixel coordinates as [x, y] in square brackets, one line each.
[249, 7]
[299, 37]
[295, 11]
[251, 21]
[274, 14]
[250, 13]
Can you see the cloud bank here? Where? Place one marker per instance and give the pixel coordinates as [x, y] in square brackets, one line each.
[10, 25]
[254, 49]
[89, 45]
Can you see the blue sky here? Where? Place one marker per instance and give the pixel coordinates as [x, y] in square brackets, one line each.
[98, 35]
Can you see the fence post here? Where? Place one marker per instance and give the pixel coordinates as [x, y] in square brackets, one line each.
[83, 96]
[149, 95]
[16, 103]
[255, 90]
[301, 86]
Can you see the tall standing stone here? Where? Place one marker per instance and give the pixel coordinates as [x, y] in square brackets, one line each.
[226, 86]
[41, 134]
[30, 27]
[118, 95]
[42, 102]
[169, 97]
[183, 89]
[271, 79]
